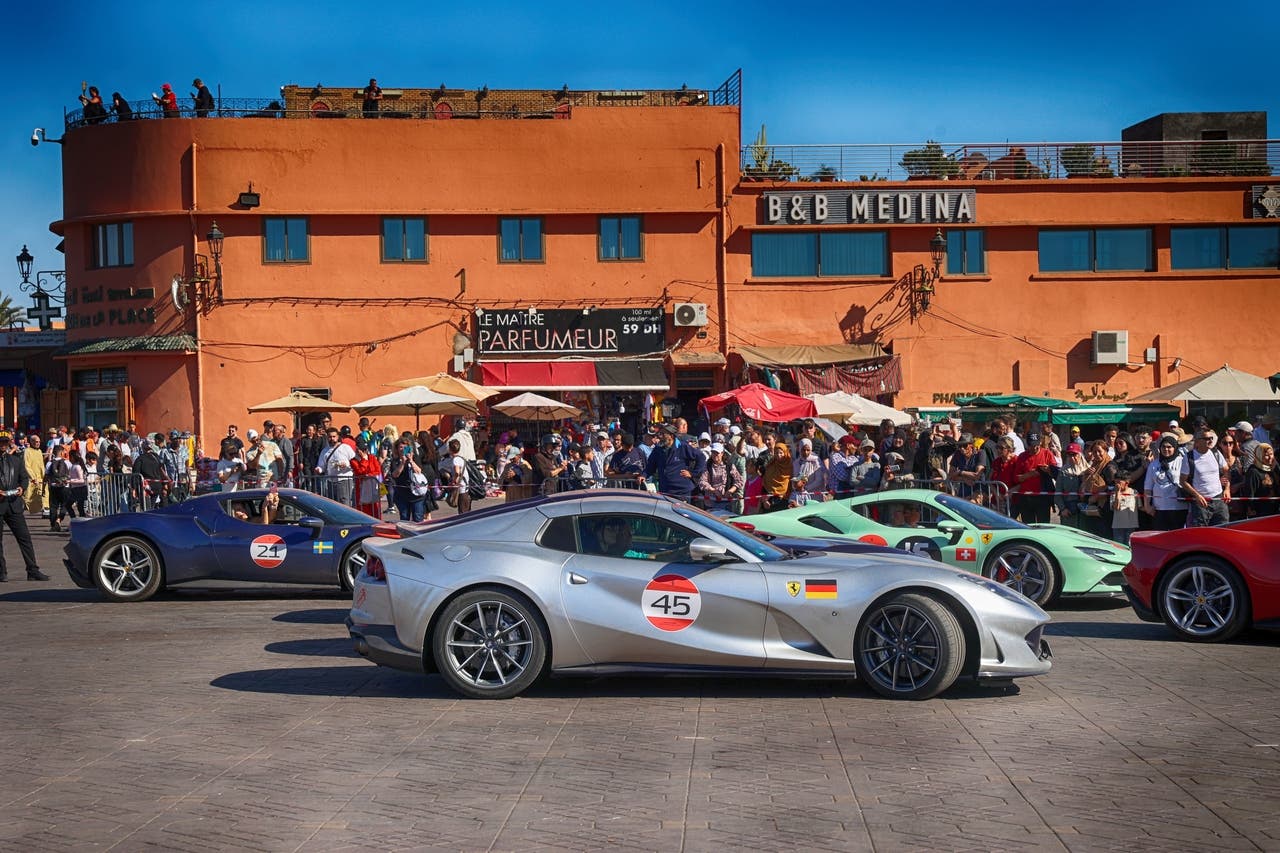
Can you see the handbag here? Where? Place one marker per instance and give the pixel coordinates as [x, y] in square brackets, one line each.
[418, 484]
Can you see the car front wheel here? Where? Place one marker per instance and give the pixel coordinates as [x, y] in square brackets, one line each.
[127, 569]
[489, 644]
[910, 646]
[1025, 569]
[353, 560]
[1203, 599]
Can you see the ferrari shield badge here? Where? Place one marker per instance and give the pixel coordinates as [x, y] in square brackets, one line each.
[986, 538]
[343, 532]
[793, 588]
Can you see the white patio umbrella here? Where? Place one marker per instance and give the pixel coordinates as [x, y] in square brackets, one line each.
[854, 408]
[416, 401]
[534, 407]
[1224, 385]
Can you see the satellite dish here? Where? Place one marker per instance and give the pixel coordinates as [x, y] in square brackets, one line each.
[177, 290]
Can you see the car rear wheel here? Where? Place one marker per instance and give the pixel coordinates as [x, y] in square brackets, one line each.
[1204, 599]
[489, 644]
[910, 646]
[1025, 569]
[127, 569]
[353, 560]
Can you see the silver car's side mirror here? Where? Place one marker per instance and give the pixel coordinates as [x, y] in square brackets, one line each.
[703, 550]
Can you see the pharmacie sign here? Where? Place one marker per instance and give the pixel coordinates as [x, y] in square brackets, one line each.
[871, 206]
[600, 331]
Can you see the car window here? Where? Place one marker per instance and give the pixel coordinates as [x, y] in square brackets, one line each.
[559, 535]
[288, 513]
[819, 523]
[633, 537]
[244, 509]
[979, 516]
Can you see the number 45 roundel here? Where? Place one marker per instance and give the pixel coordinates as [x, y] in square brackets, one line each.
[671, 602]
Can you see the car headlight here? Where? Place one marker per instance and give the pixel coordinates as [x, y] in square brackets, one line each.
[1103, 554]
[993, 587]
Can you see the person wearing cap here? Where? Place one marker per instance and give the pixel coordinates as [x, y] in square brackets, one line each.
[721, 483]
[674, 465]
[1070, 485]
[466, 443]
[202, 98]
[965, 466]
[1246, 444]
[173, 458]
[13, 485]
[1162, 497]
[843, 455]
[167, 101]
[547, 465]
[865, 471]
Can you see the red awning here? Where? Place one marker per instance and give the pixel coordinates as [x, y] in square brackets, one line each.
[762, 403]
[602, 375]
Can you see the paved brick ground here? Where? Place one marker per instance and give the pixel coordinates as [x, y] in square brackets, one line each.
[218, 721]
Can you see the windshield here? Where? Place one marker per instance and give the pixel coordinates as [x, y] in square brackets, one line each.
[754, 545]
[979, 516]
[332, 511]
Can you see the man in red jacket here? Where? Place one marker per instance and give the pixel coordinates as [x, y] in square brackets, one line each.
[1036, 476]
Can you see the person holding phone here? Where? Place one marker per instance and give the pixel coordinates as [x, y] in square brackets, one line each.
[409, 506]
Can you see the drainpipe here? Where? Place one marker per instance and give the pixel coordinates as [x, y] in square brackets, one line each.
[197, 425]
[722, 227]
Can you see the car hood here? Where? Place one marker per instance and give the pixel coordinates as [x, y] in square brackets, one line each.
[1073, 537]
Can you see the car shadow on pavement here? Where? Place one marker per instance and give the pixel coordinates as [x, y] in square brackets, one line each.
[1100, 604]
[1110, 631]
[334, 647]
[360, 679]
[316, 616]
[47, 595]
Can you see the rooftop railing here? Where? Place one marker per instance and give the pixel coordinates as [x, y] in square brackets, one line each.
[1010, 161]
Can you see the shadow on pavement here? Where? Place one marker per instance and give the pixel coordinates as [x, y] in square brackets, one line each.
[1090, 605]
[46, 594]
[336, 647]
[367, 680]
[362, 679]
[316, 616]
[1110, 630]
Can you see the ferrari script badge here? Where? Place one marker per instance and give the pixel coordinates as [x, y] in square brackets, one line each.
[793, 588]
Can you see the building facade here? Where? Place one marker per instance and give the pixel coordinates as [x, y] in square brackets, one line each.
[624, 248]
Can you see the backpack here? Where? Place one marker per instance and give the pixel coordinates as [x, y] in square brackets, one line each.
[475, 479]
[59, 472]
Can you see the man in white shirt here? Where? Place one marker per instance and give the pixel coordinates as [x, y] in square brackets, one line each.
[1204, 478]
[335, 465]
[466, 445]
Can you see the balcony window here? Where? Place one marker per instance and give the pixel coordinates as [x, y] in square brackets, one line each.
[809, 254]
[620, 238]
[1096, 250]
[1219, 248]
[112, 245]
[404, 240]
[285, 240]
[520, 240]
[967, 252]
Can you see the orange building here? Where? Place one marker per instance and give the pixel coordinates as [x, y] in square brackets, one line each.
[631, 248]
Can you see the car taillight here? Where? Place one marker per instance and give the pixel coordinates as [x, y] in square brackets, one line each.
[374, 568]
[744, 525]
[386, 530]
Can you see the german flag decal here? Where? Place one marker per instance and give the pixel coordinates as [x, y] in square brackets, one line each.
[820, 588]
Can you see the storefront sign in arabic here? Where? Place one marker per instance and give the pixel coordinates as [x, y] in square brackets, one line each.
[562, 331]
[854, 207]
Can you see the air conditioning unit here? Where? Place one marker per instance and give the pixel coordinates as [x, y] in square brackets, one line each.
[689, 314]
[1110, 347]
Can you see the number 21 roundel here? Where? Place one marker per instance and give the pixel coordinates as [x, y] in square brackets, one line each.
[671, 602]
[268, 550]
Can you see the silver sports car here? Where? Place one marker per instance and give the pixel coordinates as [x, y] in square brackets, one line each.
[603, 582]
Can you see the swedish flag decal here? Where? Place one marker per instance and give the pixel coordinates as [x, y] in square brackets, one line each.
[321, 547]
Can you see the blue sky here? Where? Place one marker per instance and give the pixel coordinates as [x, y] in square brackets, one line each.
[814, 73]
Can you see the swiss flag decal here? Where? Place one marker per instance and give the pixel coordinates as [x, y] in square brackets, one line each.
[966, 555]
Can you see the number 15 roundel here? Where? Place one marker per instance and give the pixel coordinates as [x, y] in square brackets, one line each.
[671, 602]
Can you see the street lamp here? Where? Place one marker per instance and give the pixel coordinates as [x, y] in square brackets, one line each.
[923, 279]
[42, 311]
[215, 237]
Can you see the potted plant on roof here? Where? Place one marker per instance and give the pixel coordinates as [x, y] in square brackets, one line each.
[929, 163]
[764, 166]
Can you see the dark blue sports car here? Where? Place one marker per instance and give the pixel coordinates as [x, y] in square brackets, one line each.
[221, 536]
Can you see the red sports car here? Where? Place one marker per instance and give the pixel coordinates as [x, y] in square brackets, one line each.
[1208, 583]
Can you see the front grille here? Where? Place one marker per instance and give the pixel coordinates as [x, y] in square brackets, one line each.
[1033, 639]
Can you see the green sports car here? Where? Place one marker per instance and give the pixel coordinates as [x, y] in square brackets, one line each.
[1042, 561]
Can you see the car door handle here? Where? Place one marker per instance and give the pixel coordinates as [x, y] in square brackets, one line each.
[576, 579]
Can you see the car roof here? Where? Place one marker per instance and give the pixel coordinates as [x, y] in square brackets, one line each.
[538, 501]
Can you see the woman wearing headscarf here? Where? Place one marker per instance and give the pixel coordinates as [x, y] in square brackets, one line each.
[1261, 486]
[121, 107]
[1070, 497]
